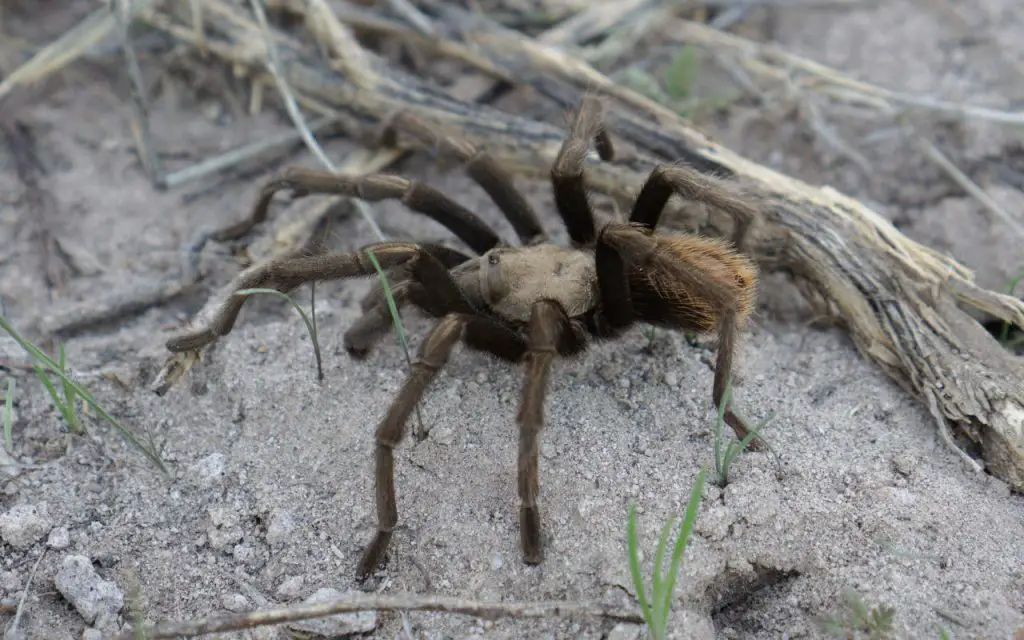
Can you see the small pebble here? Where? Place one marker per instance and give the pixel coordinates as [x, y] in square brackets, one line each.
[94, 598]
[281, 526]
[9, 582]
[59, 539]
[291, 587]
[25, 524]
[235, 603]
[209, 471]
[672, 380]
[904, 464]
[225, 530]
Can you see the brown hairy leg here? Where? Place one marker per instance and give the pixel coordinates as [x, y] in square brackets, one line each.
[478, 333]
[374, 187]
[551, 333]
[376, 321]
[484, 171]
[284, 274]
[426, 273]
[693, 185]
[571, 197]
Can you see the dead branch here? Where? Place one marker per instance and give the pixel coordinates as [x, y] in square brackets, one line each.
[365, 602]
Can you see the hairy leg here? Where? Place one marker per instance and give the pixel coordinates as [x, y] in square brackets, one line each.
[449, 257]
[376, 321]
[693, 185]
[551, 333]
[478, 333]
[567, 172]
[284, 274]
[487, 173]
[374, 187]
[727, 331]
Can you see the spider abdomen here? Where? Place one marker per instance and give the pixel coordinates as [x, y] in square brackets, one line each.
[688, 282]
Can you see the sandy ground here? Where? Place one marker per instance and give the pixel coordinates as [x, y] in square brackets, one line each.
[271, 494]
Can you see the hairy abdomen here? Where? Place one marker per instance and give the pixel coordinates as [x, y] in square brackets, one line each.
[690, 281]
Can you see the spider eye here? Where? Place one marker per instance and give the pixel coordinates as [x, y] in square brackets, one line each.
[492, 259]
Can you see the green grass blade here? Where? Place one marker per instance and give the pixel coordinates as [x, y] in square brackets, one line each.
[312, 324]
[305, 318]
[682, 73]
[634, 566]
[396, 321]
[731, 452]
[69, 410]
[50, 389]
[684, 536]
[9, 416]
[69, 393]
[657, 581]
[84, 393]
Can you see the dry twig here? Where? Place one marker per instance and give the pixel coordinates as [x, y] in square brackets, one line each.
[141, 129]
[361, 602]
[12, 630]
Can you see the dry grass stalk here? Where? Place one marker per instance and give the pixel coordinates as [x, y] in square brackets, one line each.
[897, 298]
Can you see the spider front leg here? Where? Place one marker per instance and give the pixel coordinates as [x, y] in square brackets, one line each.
[478, 333]
[376, 321]
[551, 333]
[284, 274]
[375, 187]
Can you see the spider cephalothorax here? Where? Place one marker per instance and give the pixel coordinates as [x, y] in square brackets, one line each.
[524, 304]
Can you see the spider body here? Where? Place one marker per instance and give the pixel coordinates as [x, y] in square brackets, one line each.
[525, 304]
[507, 282]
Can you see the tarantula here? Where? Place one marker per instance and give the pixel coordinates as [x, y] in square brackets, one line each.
[523, 304]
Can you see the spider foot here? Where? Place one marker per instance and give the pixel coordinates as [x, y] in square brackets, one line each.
[530, 535]
[741, 430]
[374, 555]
